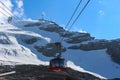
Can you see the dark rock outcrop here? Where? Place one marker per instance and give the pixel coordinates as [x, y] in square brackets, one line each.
[74, 47]
[77, 37]
[100, 44]
[4, 39]
[114, 50]
[32, 24]
[29, 39]
[48, 50]
[52, 28]
[92, 45]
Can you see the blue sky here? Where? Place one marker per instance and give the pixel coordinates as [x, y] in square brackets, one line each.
[101, 18]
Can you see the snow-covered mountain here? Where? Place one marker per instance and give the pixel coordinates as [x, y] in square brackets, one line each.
[30, 42]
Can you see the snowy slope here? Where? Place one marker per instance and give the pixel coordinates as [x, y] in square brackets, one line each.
[11, 52]
[14, 51]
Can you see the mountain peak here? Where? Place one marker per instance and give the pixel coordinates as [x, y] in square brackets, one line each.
[30, 42]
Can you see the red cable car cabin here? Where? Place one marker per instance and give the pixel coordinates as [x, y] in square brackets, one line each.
[57, 64]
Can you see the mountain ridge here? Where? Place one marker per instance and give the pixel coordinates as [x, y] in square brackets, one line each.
[18, 44]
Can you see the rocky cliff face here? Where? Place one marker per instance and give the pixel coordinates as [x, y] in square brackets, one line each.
[91, 45]
[114, 50]
[70, 37]
[112, 46]
[48, 49]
